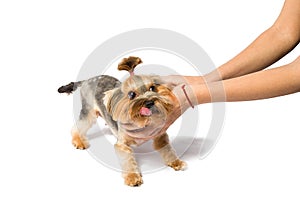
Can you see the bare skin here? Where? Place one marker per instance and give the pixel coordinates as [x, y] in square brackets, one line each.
[242, 78]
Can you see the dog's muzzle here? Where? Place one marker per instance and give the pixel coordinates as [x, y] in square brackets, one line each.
[146, 109]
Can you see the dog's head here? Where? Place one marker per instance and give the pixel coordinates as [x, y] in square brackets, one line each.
[140, 100]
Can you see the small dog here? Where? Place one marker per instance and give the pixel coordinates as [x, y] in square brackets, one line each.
[135, 111]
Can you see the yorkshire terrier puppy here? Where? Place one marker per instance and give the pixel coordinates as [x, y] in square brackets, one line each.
[135, 111]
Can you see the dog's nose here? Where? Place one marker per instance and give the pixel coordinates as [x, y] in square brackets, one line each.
[149, 104]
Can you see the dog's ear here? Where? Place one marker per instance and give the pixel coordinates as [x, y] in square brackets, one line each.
[111, 101]
[129, 63]
[107, 99]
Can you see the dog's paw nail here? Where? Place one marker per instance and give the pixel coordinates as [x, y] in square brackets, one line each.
[133, 179]
[178, 165]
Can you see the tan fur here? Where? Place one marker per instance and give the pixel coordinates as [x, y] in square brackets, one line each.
[133, 179]
[133, 119]
[178, 165]
[79, 141]
[127, 110]
[160, 141]
[131, 174]
[162, 145]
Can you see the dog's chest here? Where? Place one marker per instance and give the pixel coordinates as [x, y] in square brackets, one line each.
[139, 135]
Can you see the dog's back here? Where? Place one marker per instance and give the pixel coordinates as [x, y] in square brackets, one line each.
[92, 92]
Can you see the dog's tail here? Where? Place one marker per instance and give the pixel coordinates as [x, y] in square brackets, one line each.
[71, 87]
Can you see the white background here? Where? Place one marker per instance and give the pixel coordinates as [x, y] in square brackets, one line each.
[43, 45]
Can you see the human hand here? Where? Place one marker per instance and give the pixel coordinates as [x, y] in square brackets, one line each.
[184, 99]
[185, 96]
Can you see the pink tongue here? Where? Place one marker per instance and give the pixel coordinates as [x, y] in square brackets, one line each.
[145, 111]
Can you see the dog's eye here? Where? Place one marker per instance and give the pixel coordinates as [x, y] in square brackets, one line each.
[131, 95]
[152, 88]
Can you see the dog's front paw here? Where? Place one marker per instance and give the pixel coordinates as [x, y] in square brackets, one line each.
[133, 179]
[178, 165]
[79, 141]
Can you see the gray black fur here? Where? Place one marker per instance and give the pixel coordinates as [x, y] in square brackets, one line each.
[70, 87]
[91, 90]
[135, 111]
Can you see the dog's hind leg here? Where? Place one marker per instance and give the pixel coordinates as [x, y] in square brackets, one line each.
[162, 145]
[87, 118]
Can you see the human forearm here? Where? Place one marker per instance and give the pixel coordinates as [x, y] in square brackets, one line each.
[269, 47]
[260, 85]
